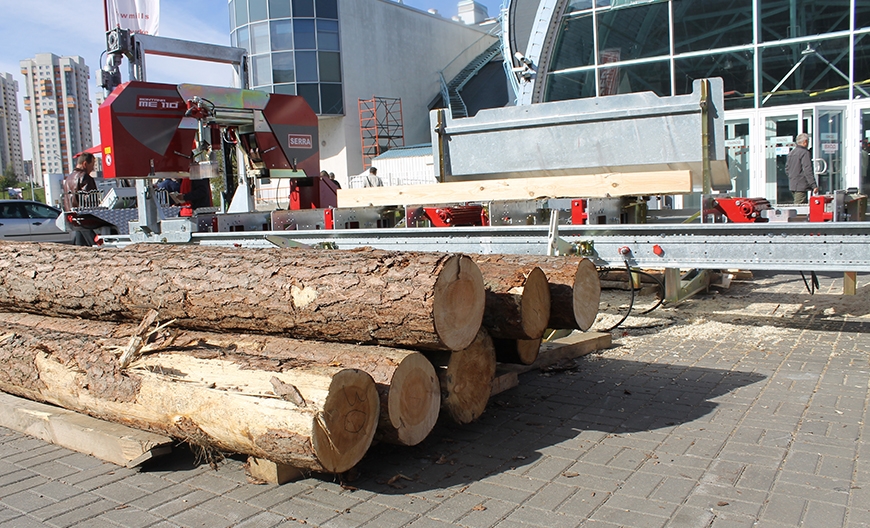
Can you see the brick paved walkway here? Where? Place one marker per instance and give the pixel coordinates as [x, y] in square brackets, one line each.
[748, 410]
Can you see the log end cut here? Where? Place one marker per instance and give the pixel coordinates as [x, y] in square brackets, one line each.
[344, 430]
[587, 294]
[414, 400]
[535, 304]
[467, 380]
[459, 301]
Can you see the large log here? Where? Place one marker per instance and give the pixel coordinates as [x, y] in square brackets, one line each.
[406, 381]
[517, 299]
[412, 300]
[466, 378]
[574, 287]
[310, 417]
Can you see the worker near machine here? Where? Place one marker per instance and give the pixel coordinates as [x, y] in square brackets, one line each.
[799, 168]
[79, 180]
[332, 177]
[371, 178]
[197, 193]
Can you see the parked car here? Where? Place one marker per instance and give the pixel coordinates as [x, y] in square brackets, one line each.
[31, 221]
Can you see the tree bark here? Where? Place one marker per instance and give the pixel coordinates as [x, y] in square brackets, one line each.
[517, 299]
[306, 416]
[574, 288]
[412, 300]
[522, 351]
[406, 381]
[466, 378]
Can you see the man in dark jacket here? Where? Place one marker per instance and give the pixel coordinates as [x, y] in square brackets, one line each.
[799, 168]
[79, 180]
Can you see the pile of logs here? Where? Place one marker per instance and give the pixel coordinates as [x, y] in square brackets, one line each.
[301, 357]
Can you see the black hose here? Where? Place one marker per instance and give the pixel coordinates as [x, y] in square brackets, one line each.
[630, 305]
[813, 285]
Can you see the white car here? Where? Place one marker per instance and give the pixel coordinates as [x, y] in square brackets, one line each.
[31, 221]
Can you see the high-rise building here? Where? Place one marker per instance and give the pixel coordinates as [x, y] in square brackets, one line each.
[59, 109]
[10, 127]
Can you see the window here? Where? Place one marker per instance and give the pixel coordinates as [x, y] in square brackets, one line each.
[282, 35]
[257, 10]
[576, 44]
[736, 70]
[303, 8]
[330, 95]
[261, 70]
[279, 8]
[241, 12]
[306, 66]
[635, 32]
[260, 38]
[304, 34]
[327, 35]
[283, 68]
[330, 66]
[783, 19]
[700, 26]
[327, 9]
[310, 93]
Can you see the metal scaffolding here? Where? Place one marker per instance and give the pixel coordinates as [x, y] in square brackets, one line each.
[380, 126]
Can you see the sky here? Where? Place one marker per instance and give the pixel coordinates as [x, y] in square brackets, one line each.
[76, 27]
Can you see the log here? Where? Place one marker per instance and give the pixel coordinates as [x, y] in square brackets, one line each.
[406, 381]
[466, 379]
[574, 287]
[411, 300]
[322, 420]
[521, 351]
[517, 300]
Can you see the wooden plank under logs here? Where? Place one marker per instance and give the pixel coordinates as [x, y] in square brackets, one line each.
[413, 300]
[517, 300]
[574, 287]
[406, 381]
[466, 378]
[323, 418]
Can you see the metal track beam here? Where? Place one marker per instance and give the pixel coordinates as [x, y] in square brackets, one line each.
[777, 247]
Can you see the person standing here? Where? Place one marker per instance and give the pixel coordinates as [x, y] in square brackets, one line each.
[372, 179]
[80, 180]
[799, 168]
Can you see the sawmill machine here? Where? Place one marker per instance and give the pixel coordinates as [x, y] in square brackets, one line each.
[153, 131]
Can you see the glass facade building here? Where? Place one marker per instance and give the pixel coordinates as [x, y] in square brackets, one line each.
[788, 66]
[294, 48]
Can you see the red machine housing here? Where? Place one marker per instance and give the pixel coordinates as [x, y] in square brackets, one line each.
[145, 133]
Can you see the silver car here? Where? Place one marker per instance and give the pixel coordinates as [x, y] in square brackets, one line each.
[31, 222]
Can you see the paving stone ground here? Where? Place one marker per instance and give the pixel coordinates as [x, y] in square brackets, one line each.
[742, 408]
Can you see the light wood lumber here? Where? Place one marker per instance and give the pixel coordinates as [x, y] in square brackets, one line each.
[580, 186]
[107, 441]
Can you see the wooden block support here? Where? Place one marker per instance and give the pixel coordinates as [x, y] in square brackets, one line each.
[579, 186]
[272, 472]
[572, 346]
[107, 441]
[850, 283]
